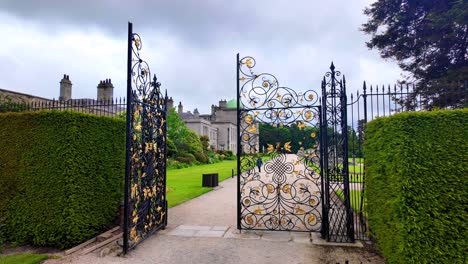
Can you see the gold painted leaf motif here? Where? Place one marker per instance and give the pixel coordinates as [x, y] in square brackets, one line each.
[242, 78]
[308, 115]
[270, 149]
[247, 202]
[287, 146]
[249, 219]
[312, 135]
[313, 202]
[287, 188]
[248, 119]
[311, 219]
[299, 210]
[311, 96]
[258, 211]
[246, 137]
[252, 129]
[301, 125]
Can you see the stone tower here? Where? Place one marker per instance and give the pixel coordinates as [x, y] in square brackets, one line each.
[65, 88]
[105, 90]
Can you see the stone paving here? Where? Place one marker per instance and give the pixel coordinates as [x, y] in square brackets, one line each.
[234, 233]
[203, 230]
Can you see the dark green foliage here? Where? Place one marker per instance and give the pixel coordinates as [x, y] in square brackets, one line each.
[297, 137]
[429, 39]
[61, 176]
[205, 141]
[417, 192]
[201, 157]
[186, 158]
[171, 148]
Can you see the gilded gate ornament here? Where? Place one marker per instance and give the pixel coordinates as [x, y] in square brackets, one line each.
[284, 192]
[145, 181]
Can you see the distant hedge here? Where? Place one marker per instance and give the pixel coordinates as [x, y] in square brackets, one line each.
[61, 176]
[417, 186]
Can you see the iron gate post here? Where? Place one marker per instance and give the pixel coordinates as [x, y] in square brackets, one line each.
[238, 146]
[344, 134]
[324, 160]
[128, 142]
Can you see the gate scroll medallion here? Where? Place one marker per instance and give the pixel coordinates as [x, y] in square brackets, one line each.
[145, 179]
[280, 181]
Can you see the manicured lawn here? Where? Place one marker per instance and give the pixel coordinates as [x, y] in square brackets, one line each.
[185, 184]
[355, 168]
[357, 160]
[355, 196]
[23, 258]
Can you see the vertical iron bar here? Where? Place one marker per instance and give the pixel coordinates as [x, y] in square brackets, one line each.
[389, 102]
[325, 170]
[344, 133]
[128, 136]
[239, 172]
[164, 113]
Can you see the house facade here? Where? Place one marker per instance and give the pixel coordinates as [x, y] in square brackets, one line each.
[220, 125]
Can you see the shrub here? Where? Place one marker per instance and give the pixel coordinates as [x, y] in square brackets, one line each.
[174, 164]
[229, 153]
[417, 171]
[171, 148]
[186, 158]
[201, 157]
[61, 176]
[231, 158]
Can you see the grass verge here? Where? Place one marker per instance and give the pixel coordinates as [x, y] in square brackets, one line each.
[185, 184]
[355, 196]
[23, 258]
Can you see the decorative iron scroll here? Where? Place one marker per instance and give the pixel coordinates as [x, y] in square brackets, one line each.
[145, 181]
[285, 193]
[339, 226]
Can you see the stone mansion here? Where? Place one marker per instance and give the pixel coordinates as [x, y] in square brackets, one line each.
[220, 125]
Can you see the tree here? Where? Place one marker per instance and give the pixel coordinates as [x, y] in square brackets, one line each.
[205, 140]
[429, 40]
[176, 128]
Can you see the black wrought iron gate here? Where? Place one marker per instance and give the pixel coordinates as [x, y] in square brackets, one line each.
[280, 186]
[145, 178]
[292, 156]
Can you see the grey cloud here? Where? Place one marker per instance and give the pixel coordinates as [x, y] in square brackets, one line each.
[295, 40]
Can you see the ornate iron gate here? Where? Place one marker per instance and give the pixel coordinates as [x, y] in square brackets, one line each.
[339, 226]
[280, 184]
[292, 156]
[145, 178]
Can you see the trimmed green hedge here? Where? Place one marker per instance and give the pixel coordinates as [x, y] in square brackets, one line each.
[417, 186]
[61, 176]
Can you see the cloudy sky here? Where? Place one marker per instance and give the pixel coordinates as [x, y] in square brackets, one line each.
[191, 45]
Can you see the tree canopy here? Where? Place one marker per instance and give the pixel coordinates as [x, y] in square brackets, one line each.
[429, 40]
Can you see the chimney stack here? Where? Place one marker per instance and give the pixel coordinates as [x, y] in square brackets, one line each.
[65, 88]
[180, 108]
[170, 103]
[105, 90]
[222, 104]
[196, 113]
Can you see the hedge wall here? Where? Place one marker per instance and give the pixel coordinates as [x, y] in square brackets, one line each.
[417, 186]
[61, 176]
